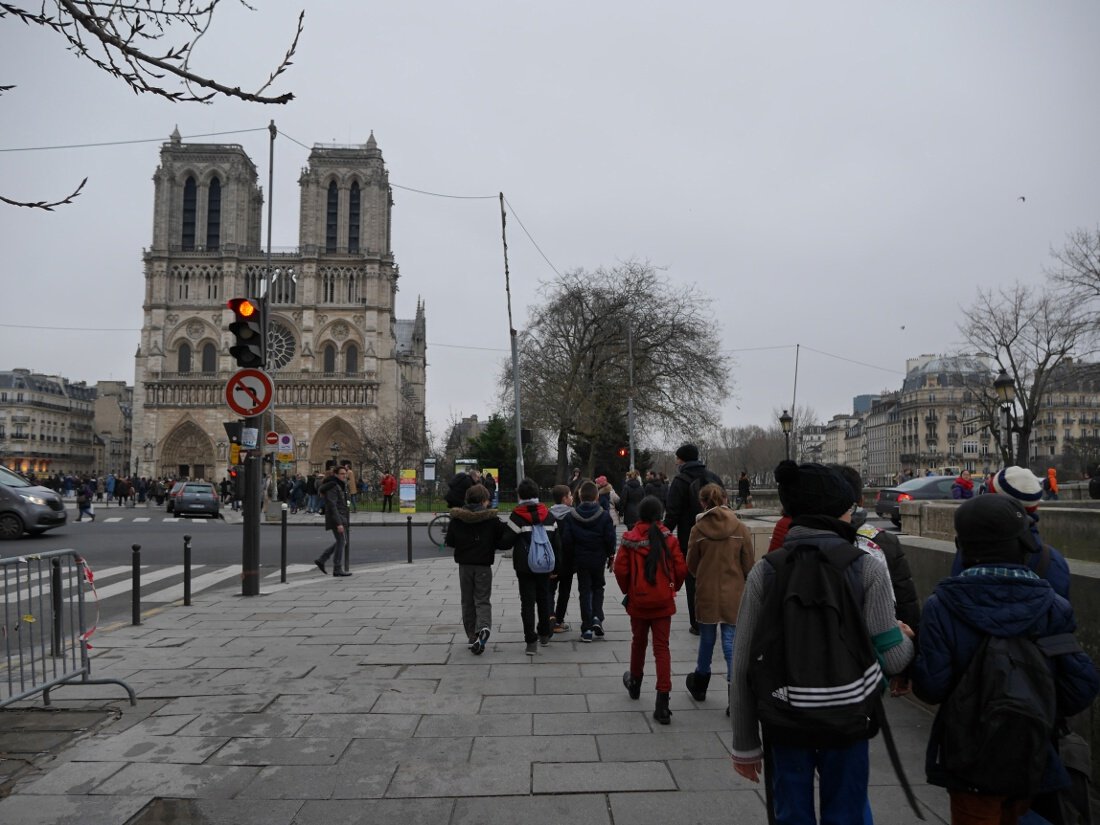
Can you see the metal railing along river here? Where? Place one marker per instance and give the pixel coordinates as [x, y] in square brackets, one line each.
[44, 636]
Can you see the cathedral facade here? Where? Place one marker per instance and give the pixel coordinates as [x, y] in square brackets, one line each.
[342, 363]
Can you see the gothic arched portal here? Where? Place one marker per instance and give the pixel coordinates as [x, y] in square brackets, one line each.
[188, 452]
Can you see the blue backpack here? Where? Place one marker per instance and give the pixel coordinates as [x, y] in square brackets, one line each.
[540, 552]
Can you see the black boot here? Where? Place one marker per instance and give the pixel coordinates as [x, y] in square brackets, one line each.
[633, 685]
[697, 685]
[661, 713]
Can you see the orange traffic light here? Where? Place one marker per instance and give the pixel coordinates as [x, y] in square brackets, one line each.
[248, 329]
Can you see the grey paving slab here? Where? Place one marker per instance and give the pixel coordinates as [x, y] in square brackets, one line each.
[189, 705]
[315, 782]
[245, 724]
[504, 749]
[534, 704]
[665, 743]
[473, 687]
[217, 812]
[745, 807]
[601, 777]
[299, 750]
[421, 780]
[705, 774]
[373, 752]
[568, 723]
[191, 781]
[513, 724]
[139, 747]
[426, 703]
[556, 809]
[375, 811]
[72, 778]
[399, 654]
[69, 810]
[363, 725]
[313, 703]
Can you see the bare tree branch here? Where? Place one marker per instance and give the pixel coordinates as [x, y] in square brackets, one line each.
[43, 204]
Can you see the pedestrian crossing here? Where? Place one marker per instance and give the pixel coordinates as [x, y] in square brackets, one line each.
[163, 584]
[144, 519]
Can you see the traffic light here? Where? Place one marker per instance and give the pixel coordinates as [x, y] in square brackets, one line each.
[622, 452]
[248, 329]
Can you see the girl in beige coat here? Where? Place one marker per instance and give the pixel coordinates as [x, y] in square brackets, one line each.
[720, 555]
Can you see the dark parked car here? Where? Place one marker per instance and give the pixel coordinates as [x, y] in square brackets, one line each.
[917, 489]
[26, 507]
[197, 497]
[173, 493]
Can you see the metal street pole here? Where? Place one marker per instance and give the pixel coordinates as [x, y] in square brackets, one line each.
[515, 347]
[630, 397]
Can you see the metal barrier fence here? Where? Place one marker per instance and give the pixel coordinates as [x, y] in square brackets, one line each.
[44, 637]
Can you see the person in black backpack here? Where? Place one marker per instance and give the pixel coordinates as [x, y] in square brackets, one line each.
[815, 633]
[682, 506]
[997, 652]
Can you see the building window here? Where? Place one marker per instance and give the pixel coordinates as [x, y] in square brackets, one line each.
[190, 193]
[353, 218]
[184, 358]
[328, 288]
[183, 286]
[214, 214]
[209, 359]
[330, 359]
[211, 287]
[352, 360]
[331, 213]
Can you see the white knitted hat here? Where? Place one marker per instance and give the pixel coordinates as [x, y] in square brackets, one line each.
[1021, 484]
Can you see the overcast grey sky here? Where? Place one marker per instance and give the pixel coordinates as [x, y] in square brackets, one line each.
[838, 175]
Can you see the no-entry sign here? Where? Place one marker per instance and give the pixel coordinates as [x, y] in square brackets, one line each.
[272, 438]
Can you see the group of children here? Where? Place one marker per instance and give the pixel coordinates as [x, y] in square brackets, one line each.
[648, 563]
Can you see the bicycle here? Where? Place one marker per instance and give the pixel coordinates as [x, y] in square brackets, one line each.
[437, 529]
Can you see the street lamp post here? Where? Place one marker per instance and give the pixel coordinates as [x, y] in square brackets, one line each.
[334, 448]
[785, 421]
[1005, 388]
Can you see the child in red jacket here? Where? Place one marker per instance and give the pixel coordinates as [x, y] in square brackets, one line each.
[650, 569]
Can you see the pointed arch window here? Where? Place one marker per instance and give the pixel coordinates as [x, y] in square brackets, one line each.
[214, 214]
[183, 363]
[190, 196]
[351, 363]
[209, 359]
[331, 213]
[329, 359]
[353, 218]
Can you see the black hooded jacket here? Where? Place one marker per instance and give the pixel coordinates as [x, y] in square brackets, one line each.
[475, 534]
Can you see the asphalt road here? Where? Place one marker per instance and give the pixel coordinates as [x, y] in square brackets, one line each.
[215, 554]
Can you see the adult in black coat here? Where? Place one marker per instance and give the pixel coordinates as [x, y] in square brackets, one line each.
[682, 507]
[630, 498]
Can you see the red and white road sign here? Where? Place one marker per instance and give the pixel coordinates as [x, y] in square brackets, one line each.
[272, 438]
[249, 392]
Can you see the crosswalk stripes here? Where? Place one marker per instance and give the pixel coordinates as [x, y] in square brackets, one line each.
[163, 585]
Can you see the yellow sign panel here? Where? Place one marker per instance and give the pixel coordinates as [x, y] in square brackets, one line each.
[234, 453]
[408, 491]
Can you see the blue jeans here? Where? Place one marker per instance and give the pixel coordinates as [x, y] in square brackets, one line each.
[843, 773]
[590, 584]
[336, 551]
[708, 634]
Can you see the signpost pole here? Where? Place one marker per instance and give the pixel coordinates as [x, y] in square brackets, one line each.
[250, 544]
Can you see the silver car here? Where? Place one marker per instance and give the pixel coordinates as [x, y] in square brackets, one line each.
[197, 497]
[26, 507]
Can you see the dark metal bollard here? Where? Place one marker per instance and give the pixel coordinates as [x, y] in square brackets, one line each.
[135, 595]
[282, 550]
[187, 571]
[55, 605]
[409, 537]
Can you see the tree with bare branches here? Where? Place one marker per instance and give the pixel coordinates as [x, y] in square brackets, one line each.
[389, 444]
[1029, 332]
[147, 44]
[1077, 266]
[596, 332]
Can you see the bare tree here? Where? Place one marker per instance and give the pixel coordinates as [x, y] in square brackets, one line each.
[598, 330]
[1077, 266]
[147, 44]
[1030, 332]
[390, 444]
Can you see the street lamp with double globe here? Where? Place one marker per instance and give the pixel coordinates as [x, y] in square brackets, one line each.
[1005, 388]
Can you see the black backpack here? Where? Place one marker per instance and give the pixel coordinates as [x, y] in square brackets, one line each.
[697, 484]
[812, 667]
[1000, 718]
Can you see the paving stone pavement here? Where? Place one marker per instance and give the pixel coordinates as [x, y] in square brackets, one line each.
[356, 700]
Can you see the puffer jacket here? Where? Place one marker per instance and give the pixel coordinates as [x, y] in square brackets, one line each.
[630, 500]
[475, 532]
[1055, 570]
[720, 556]
[960, 613]
[630, 562]
[518, 536]
[588, 536]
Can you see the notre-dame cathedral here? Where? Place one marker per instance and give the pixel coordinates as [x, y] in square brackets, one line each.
[339, 357]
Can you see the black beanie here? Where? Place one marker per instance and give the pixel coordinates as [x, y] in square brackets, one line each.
[688, 452]
[813, 489]
[990, 529]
